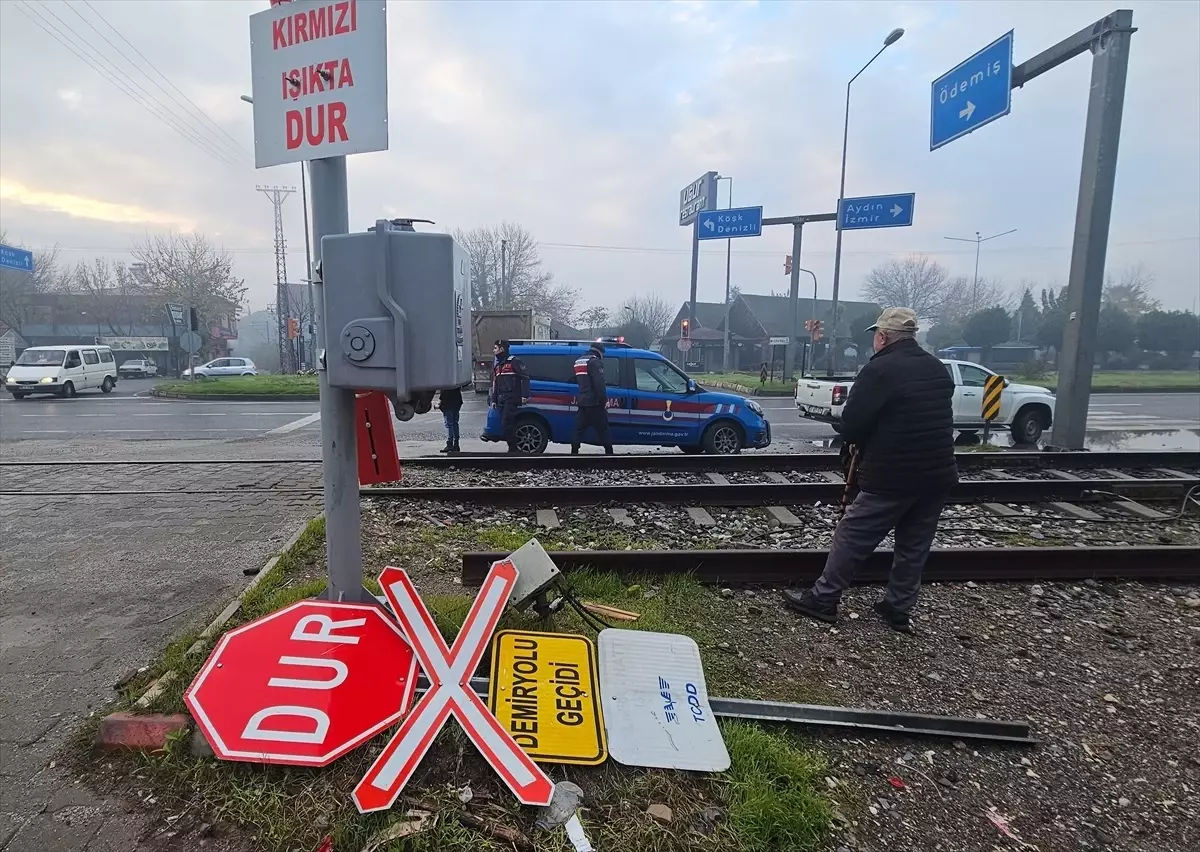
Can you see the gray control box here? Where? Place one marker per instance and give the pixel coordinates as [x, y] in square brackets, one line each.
[397, 303]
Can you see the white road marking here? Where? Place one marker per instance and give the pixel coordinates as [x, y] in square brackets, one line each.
[295, 424]
[125, 431]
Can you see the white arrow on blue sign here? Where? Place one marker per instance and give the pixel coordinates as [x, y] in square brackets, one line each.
[16, 258]
[972, 94]
[877, 211]
[730, 224]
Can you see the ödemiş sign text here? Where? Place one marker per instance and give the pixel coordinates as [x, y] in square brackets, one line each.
[319, 70]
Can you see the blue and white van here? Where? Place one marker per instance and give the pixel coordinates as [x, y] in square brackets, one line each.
[650, 402]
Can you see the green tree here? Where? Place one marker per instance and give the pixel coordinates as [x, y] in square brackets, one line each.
[1117, 331]
[1027, 318]
[1053, 319]
[1176, 333]
[987, 328]
[1130, 291]
[945, 334]
[636, 333]
[862, 338]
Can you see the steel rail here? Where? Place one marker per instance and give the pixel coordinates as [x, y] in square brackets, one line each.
[776, 494]
[667, 463]
[855, 719]
[945, 565]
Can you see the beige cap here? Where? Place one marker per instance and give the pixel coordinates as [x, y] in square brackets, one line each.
[896, 319]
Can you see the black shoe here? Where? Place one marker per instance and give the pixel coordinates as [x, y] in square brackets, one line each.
[608, 451]
[575, 449]
[446, 449]
[455, 448]
[897, 620]
[806, 604]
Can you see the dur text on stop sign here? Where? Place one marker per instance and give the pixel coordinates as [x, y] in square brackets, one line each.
[320, 80]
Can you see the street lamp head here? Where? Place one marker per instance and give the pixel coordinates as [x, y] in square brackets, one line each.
[893, 37]
[250, 100]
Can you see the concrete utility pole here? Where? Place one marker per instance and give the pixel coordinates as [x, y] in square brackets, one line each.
[797, 223]
[977, 241]
[278, 194]
[503, 274]
[308, 275]
[1108, 41]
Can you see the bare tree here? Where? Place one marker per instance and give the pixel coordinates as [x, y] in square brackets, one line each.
[506, 272]
[116, 301]
[18, 289]
[915, 282]
[652, 311]
[1130, 291]
[189, 270]
[962, 297]
[594, 318]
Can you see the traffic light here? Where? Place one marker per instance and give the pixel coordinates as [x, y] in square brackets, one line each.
[787, 265]
[815, 330]
[293, 326]
[685, 330]
[193, 319]
[808, 326]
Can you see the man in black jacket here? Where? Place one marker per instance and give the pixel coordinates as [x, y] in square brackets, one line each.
[900, 419]
[592, 399]
[510, 390]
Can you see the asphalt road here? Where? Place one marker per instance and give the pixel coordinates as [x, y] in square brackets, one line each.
[1116, 421]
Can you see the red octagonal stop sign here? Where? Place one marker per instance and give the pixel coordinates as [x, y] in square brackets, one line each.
[303, 685]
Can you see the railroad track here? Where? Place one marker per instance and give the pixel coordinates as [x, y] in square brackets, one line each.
[673, 463]
[945, 565]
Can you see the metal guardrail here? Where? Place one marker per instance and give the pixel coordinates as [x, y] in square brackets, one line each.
[945, 565]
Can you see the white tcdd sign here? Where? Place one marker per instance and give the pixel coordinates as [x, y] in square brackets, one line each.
[319, 70]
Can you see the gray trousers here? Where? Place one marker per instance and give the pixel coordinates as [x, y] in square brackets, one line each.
[867, 520]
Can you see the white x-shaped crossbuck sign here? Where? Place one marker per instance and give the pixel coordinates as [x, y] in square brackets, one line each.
[449, 671]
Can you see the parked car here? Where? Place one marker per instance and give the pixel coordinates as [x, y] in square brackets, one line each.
[138, 368]
[1026, 410]
[223, 367]
[62, 371]
[650, 402]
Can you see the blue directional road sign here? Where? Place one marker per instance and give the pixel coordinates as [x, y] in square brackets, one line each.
[877, 211]
[731, 223]
[16, 258]
[972, 93]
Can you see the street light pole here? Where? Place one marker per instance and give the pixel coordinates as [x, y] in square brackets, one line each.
[728, 259]
[892, 38]
[977, 241]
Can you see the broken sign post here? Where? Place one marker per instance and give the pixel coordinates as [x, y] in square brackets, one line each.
[449, 671]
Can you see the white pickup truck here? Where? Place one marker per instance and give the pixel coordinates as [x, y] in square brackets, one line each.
[1026, 410]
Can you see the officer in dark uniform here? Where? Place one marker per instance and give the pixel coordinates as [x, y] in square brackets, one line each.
[592, 399]
[510, 390]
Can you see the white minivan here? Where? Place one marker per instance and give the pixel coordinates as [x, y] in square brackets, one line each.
[62, 371]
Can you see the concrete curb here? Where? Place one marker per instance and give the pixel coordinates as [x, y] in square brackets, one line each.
[156, 686]
[240, 397]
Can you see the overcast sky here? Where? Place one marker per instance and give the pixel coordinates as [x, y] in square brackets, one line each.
[582, 121]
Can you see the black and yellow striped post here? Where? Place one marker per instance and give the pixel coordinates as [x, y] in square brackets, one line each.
[991, 403]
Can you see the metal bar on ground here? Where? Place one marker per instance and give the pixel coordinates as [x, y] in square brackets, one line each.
[852, 718]
[981, 564]
[776, 494]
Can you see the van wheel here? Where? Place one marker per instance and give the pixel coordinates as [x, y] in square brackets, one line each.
[1027, 428]
[107, 385]
[68, 390]
[532, 436]
[722, 439]
[692, 449]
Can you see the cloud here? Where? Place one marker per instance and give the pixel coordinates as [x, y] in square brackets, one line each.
[83, 207]
[583, 120]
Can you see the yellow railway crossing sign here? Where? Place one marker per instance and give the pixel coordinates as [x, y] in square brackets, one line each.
[544, 690]
[992, 390]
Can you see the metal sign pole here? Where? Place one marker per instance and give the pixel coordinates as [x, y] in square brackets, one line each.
[794, 297]
[695, 273]
[339, 460]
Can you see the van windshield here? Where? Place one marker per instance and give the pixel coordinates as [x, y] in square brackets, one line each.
[42, 358]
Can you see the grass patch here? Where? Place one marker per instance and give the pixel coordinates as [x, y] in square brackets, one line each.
[773, 798]
[242, 385]
[770, 798]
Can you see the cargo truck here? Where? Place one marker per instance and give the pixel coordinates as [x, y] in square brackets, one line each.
[488, 326]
